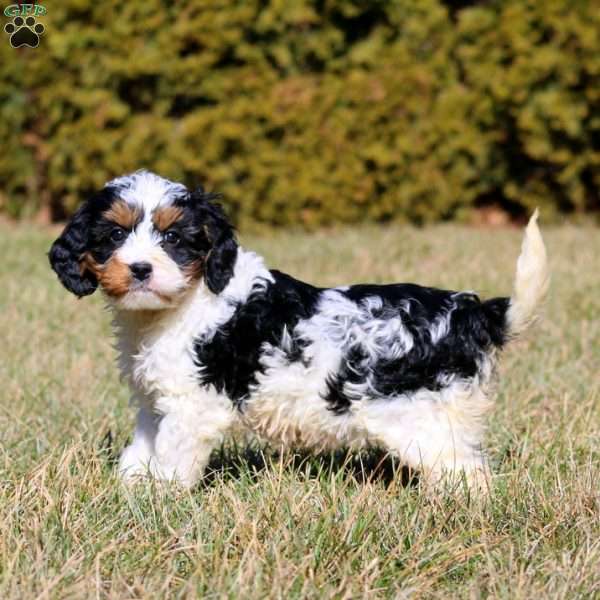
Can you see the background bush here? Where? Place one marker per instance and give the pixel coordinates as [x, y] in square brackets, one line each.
[312, 111]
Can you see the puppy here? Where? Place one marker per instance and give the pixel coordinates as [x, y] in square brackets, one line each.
[209, 339]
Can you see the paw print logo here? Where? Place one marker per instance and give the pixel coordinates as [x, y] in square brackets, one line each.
[24, 32]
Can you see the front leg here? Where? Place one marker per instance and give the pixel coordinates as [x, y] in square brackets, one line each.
[173, 439]
[190, 428]
[137, 459]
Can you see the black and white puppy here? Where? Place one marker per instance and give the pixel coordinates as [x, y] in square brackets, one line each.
[209, 338]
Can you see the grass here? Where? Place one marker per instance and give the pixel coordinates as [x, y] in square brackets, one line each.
[270, 526]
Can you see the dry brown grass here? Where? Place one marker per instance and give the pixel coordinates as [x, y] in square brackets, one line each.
[264, 526]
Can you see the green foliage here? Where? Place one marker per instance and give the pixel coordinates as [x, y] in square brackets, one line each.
[309, 112]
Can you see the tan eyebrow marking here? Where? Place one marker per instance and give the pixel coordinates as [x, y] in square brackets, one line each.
[123, 214]
[163, 218]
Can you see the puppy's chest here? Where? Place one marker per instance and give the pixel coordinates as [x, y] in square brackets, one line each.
[160, 365]
[159, 357]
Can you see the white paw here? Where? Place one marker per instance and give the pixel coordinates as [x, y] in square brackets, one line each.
[134, 465]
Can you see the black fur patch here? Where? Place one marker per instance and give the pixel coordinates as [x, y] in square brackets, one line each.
[475, 327]
[230, 360]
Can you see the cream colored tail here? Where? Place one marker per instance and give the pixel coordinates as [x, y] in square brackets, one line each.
[531, 281]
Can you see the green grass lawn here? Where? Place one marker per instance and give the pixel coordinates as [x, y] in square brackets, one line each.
[270, 526]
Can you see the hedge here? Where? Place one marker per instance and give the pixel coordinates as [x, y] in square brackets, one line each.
[312, 111]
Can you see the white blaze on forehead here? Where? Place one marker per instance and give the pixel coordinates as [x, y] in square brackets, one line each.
[147, 190]
[143, 242]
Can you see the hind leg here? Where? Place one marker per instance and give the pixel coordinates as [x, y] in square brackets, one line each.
[437, 433]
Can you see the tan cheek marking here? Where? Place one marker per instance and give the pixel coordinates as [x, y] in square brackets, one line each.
[114, 276]
[163, 218]
[194, 270]
[87, 263]
[123, 214]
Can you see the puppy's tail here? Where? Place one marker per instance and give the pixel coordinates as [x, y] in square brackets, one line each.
[531, 281]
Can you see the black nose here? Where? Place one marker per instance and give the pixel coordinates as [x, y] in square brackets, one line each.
[141, 270]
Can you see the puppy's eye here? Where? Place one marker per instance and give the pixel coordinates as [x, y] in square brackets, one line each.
[117, 234]
[172, 238]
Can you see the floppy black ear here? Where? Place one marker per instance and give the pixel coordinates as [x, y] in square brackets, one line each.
[220, 263]
[67, 252]
[218, 233]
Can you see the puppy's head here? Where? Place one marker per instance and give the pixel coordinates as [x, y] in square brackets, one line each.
[145, 241]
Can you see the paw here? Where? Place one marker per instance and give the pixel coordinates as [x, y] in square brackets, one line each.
[134, 467]
[474, 479]
[24, 32]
